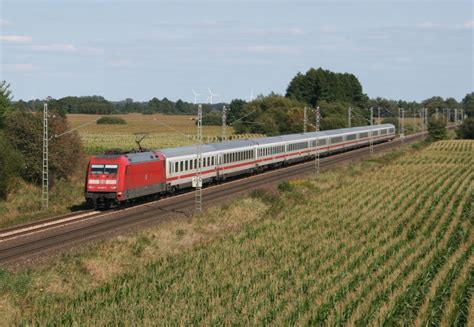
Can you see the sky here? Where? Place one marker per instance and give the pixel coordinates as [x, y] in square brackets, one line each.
[408, 50]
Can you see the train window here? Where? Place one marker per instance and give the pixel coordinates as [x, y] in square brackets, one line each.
[186, 165]
[191, 164]
[97, 169]
[375, 133]
[175, 167]
[336, 139]
[212, 161]
[181, 166]
[383, 132]
[208, 161]
[351, 137]
[364, 134]
[391, 130]
[110, 169]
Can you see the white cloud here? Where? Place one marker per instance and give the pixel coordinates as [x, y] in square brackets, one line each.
[18, 67]
[15, 38]
[469, 24]
[58, 47]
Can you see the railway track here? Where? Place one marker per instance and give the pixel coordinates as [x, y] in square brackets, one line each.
[30, 240]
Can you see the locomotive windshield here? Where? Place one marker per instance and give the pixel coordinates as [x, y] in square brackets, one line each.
[104, 169]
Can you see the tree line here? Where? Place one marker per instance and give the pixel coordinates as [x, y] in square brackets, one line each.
[99, 105]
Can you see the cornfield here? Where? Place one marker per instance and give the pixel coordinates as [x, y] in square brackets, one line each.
[388, 246]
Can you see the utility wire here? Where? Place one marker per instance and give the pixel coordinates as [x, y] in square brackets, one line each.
[76, 128]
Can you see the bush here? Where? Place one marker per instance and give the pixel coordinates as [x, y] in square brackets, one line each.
[111, 121]
[10, 165]
[466, 129]
[437, 129]
[25, 132]
[212, 119]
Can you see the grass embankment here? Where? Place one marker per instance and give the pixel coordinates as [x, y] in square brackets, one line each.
[372, 243]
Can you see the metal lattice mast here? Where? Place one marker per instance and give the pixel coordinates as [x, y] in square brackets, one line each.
[421, 120]
[378, 116]
[305, 119]
[371, 132]
[317, 159]
[402, 129]
[45, 181]
[224, 123]
[198, 179]
[426, 118]
[349, 118]
[455, 116]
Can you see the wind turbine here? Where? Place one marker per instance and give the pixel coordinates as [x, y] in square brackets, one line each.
[211, 95]
[195, 96]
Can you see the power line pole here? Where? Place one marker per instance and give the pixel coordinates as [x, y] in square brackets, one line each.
[305, 119]
[371, 132]
[402, 130]
[349, 118]
[421, 120]
[197, 180]
[378, 115]
[317, 141]
[426, 118]
[224, 123]
[45, 181]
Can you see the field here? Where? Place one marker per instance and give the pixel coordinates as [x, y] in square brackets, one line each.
[374, 243]
[164, 131]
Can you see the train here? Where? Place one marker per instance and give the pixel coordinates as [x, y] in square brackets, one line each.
[119, 178]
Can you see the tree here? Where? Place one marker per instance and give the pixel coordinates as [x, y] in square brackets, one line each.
[270, 115]
[5, 100]
[212, 119]
[451, 103]
[318, 85]
[437, 129]
[24, 132]
[235, 110]
[468, 104]
[434, 103]
[10, 165]
[466, 129]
